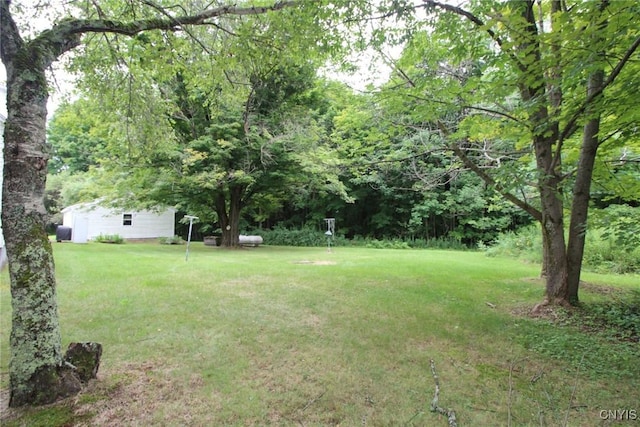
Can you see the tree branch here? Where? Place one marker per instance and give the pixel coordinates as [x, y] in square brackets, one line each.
[435, 407]
[535, 213]
[10, 40]
[71, 30]
[469, 107]
[572, 123]
[478, 22]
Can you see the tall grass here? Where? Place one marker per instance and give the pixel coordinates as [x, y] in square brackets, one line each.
[603, 253]
[304, 336]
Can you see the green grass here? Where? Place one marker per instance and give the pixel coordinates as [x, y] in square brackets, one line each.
[301, 336]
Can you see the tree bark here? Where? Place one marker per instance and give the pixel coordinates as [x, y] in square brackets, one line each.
[229, 216]
[581, 193]
[36, 373]
[554, 250]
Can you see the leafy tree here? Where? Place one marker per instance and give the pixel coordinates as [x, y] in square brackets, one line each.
[37, 372]
[78, 137]
[526, 93]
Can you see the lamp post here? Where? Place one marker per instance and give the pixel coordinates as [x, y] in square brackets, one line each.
[191, 218]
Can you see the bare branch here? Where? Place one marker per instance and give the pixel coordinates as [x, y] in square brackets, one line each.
[435, 407]
[469, 107]
[535, 213]
[65, 35]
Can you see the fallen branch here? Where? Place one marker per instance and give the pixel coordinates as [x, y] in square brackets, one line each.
[573, 393]
[449, 413]
[510, 395]
[314, 400]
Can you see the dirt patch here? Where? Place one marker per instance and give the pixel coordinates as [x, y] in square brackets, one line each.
[548, 312]
[142, 394]
[133, 394]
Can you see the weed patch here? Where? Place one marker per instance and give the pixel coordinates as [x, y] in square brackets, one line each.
[601, 336]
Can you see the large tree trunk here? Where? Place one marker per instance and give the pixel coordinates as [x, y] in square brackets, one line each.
[545, 127]
[554, 251]
[36, 370]
[229, 216]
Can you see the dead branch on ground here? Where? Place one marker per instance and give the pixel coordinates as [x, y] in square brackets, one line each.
[435, 407]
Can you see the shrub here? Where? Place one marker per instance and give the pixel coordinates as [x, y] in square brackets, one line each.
[175, 240]
[603, 251]
[387, 244]
[109, 238]
[526, 244]
[310, 237]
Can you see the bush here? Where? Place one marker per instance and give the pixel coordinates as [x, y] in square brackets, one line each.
[603, 251]
[109, 238]
[387, 244]
[175, 240]
[525, 244]
[309, 237]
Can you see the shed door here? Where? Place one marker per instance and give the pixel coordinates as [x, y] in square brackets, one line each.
[80, 229]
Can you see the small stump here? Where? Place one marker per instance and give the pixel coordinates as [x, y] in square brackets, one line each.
[85, 358]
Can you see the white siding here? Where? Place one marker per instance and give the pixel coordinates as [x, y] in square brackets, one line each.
[144, 224]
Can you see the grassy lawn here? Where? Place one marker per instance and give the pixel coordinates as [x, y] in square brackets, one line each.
[302, 336]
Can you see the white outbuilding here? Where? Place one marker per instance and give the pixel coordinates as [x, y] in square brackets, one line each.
[90, 220]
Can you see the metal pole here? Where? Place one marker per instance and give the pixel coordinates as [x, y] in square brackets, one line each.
[330, 231]
[191, 218]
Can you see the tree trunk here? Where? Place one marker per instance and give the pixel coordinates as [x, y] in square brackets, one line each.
[581, 193]
[556, 291]
[552, 221]
[36, 372]
[545, 129]
[229, 216]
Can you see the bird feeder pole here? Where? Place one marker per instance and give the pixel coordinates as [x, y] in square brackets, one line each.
[191, 218]
[331, 230]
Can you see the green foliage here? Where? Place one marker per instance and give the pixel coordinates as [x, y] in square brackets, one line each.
[603, 252]
[78, 137]
[593, 356]
[386, 244]
[621, 223]
[306, 237]
[525, 243]
[441, 243]
[109, 238]
[312, 237]
[611, 322]
[175, 240]
[618, 316]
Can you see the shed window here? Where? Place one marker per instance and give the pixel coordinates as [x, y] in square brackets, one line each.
[127, 219]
